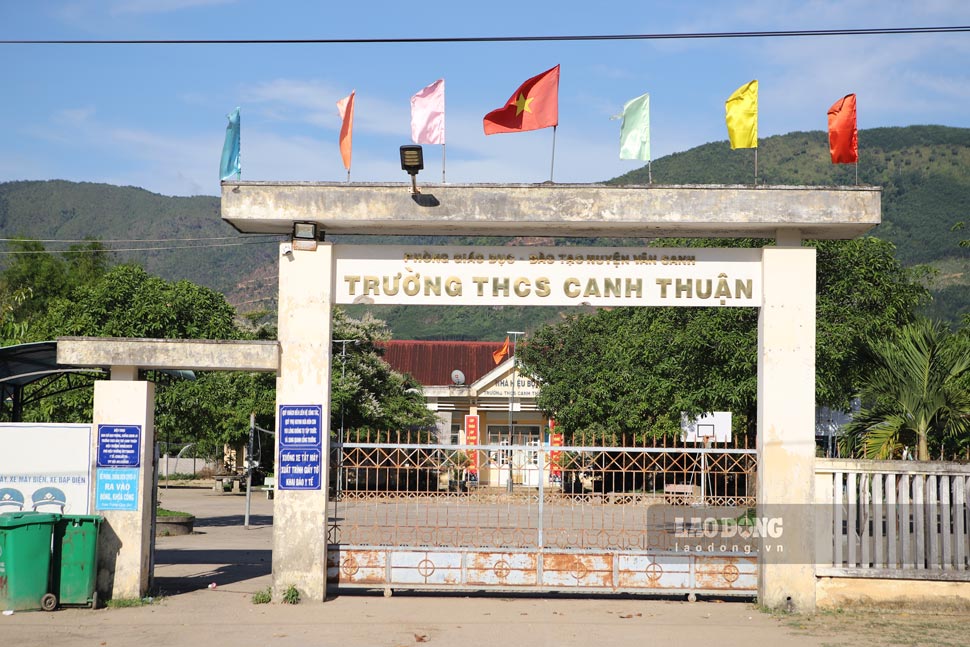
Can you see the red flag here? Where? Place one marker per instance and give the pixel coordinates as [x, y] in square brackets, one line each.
[346, 108]
[501, 353]
[533, 106]
[843, 135]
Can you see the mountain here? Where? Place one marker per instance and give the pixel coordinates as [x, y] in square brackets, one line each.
[175, 237]
[924, 172]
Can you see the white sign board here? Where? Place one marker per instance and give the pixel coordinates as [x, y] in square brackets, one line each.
[503, 388]
[45, 468]
[547, 276]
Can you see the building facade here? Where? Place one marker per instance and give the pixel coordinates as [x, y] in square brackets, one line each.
[465, 387]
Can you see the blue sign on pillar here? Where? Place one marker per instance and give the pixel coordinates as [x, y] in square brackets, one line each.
[119, 445]
[299, 465]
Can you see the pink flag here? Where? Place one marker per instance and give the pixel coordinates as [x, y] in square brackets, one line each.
[428, 114]
[346, 109]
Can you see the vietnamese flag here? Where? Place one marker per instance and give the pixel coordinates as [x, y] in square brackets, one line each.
[501, 353]
[843, 134]
[533, 106]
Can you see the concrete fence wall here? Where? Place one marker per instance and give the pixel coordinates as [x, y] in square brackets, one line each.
[892, 529]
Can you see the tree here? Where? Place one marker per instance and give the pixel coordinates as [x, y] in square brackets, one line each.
[48, 276]
[12, 331]
[128, 302]
[632, 371]
[365, 390]
[863, 292]
[912, 394]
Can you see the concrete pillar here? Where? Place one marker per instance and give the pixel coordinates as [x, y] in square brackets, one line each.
[300, 516]
[124, 542]
[129, 373]
[786, 427]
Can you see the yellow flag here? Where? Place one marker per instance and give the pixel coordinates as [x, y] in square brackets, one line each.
[742, 116]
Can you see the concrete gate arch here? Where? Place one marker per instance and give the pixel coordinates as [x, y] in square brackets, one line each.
[310, 283]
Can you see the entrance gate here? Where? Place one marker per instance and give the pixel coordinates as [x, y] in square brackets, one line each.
[599, 520]
[779, 279]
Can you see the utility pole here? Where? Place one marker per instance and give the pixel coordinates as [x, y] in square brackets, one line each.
[340, 438]
[515, 336]
[249, 466]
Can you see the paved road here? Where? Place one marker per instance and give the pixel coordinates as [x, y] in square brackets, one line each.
[238, 561]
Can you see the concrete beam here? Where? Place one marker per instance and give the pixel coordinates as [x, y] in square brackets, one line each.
[187, 354]
[557, 210]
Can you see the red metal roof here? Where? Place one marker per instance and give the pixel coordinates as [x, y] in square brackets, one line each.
[431, 362]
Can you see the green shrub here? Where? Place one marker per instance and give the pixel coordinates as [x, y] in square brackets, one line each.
[264, 596]
[292, 595]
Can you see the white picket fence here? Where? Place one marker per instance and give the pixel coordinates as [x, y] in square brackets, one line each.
[893, 519]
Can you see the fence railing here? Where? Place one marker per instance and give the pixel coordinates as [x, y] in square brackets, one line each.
[504, 495]
[893, 519]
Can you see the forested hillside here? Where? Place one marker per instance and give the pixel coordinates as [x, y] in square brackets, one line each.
[924, 172]
[172, 237]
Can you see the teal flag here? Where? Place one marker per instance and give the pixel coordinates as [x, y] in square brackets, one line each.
[635, 129]
[230, 150]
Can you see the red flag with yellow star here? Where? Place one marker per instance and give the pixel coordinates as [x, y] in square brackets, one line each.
[533, 106]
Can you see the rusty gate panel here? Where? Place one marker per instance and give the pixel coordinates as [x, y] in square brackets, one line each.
[495, 569]
[726, 573]
[608, 519]
[577, 570]
[425, 567]
[357, 567]
[655, 571]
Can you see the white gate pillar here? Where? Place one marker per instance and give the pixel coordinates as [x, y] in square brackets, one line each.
[124, 540]
[300, 516]
[786, 427]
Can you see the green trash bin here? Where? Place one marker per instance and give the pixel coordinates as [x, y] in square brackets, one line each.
[74, 565]
[25, 557]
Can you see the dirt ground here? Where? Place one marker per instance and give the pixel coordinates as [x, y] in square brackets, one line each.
[186, 610]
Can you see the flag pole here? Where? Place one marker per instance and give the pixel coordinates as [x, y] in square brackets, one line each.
[857, 171]
[756, 166]
[442, 163]
[553, 165]
[649, 173]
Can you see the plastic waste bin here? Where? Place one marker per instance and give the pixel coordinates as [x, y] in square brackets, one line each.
[74, 565]
[25, 557]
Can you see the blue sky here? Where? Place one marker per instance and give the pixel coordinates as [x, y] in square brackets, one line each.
[154, 116]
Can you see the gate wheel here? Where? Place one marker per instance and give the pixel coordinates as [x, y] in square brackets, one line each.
[48, 602]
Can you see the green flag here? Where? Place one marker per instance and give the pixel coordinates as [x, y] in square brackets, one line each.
[635, 129]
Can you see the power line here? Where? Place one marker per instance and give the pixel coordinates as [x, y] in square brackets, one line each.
[501, 39]
[128, 240]
[133, 249]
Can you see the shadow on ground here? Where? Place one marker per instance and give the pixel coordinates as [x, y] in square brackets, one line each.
[225, 567]
[233, 520]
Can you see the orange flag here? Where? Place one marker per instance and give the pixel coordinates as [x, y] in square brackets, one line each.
[843, 134]
[533, 106]
[501, 353]
[346, 108]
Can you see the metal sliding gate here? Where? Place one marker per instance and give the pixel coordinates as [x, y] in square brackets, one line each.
[585, 519]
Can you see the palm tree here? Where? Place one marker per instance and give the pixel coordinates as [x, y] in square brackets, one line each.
[915, 392]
